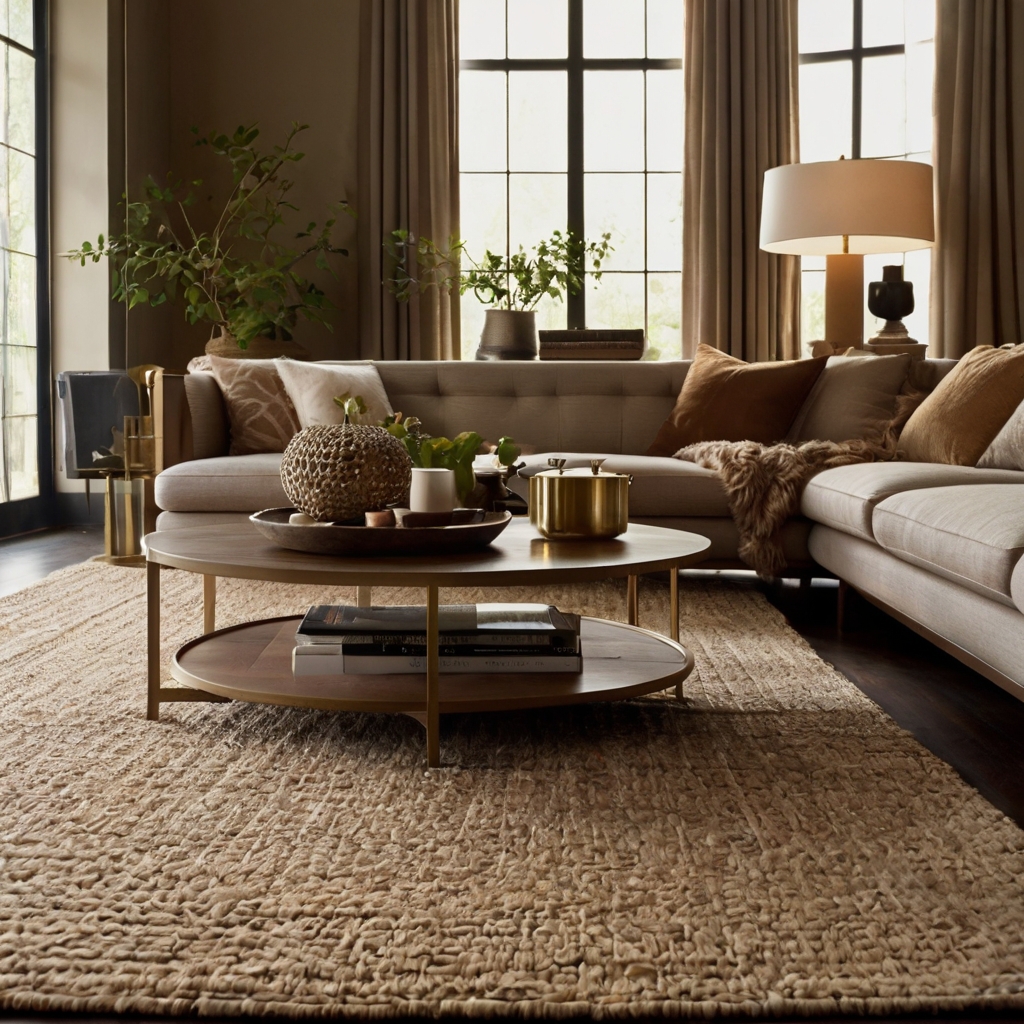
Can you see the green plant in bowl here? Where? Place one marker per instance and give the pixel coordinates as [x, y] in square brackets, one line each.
[456, 454]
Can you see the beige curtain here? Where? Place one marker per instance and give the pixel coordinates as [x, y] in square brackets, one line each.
[408, 167]
[978, 261]
[740, 82]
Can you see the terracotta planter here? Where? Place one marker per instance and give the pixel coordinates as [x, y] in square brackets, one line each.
[224, 345]
[508, 334]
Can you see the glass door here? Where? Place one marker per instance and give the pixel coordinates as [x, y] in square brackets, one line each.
[25, 472]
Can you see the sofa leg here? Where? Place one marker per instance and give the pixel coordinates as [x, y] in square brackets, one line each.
[844, 589]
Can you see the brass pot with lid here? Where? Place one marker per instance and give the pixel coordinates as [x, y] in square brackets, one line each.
[579, 504]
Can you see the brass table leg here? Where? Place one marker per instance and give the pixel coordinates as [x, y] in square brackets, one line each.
[209, 603]
[364, 597]
[433, 673]
[632, 601]
[673, 612]
[153, 641]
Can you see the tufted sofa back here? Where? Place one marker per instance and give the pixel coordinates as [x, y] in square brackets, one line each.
[614, 407]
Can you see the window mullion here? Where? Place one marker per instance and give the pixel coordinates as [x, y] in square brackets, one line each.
[576, 305]
[857, 66]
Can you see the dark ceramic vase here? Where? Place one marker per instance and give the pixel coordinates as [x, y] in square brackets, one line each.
[892, 298]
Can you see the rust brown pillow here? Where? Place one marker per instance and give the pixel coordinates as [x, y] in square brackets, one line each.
[957, 422]
[726, 399]
[260, 413]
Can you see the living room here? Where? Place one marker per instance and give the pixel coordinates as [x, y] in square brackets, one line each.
[745, 422]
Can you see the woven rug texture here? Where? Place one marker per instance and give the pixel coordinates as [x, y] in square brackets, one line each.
[772, 846]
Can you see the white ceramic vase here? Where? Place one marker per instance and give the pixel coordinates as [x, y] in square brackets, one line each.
[432, 490]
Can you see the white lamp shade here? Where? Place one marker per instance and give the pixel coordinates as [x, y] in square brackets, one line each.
[879, 205]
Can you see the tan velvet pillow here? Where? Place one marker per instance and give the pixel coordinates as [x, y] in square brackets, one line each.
[726, 399]
[260, 413]
[969, 406]
[1007, 450]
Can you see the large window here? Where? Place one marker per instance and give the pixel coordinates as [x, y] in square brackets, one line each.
[866, 73]
[571, 116]
[19, 364]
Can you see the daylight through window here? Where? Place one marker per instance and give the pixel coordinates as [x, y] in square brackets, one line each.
[866, 73]
[19, 468]
[571, 115]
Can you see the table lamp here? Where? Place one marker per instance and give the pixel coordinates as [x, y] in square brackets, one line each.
[843, 209]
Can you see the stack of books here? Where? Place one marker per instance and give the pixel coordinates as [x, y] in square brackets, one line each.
[484, 638]
[592, 344]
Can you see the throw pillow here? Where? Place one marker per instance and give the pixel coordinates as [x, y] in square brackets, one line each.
[969, 406]
[726, 399]
[1007, 450]
[260, 413]
[854, 399]
[314, 386]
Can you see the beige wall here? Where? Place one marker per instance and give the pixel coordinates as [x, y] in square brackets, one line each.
[80, 310]
[215, 65]
[209, 63]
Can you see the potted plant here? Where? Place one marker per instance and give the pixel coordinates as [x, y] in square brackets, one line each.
[513, 286]
[456, 454]
[235, 275]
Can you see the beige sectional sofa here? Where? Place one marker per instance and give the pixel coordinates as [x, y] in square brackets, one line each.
[938, 546]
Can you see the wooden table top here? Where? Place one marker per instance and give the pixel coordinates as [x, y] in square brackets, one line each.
[519, 556]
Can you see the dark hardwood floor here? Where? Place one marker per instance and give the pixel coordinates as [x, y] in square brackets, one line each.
[959, 715]
[30, 557]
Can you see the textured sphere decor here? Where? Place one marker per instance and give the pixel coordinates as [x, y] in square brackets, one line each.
[336, 472]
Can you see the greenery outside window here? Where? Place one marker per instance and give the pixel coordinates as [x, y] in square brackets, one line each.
[866, 75]
[571, 115]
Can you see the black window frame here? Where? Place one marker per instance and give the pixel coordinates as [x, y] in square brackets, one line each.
[856, 54]
[575, 64]
[26, 514]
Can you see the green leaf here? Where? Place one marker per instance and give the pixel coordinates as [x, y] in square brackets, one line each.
[139, 295]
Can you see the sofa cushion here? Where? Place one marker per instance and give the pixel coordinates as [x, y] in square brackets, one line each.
[726, 399]
[312, 388]
[232, 483]
[1007, 450]
[853, 399]
[967, 409]
[1017, 585]
[661, 487]
[971, 534]
[260, 412]
[845, 498]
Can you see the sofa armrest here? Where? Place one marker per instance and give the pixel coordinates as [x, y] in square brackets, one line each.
[208, 415]
[177, 423]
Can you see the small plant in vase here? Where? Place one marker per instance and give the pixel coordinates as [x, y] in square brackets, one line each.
[235, 275]
[511, 286]
[457, 454]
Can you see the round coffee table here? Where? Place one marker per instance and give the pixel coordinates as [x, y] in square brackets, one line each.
[252, 661]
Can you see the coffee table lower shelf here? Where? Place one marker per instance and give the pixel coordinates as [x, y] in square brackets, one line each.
[252, 662]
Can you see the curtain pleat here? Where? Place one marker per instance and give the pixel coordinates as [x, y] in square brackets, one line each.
[741, 118]
[408, 168]
[978, 261]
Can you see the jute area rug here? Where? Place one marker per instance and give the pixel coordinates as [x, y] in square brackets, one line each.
[773, 846]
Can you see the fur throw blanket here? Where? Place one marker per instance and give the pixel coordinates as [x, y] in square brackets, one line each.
[764, 483]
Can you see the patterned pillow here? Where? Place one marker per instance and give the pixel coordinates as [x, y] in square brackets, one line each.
[260, 413]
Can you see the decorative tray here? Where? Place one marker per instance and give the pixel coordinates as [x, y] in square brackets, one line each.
[335, 539]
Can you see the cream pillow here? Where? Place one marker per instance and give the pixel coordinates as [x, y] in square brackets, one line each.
[1007, 450]
[854, 399]
[312, 387]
